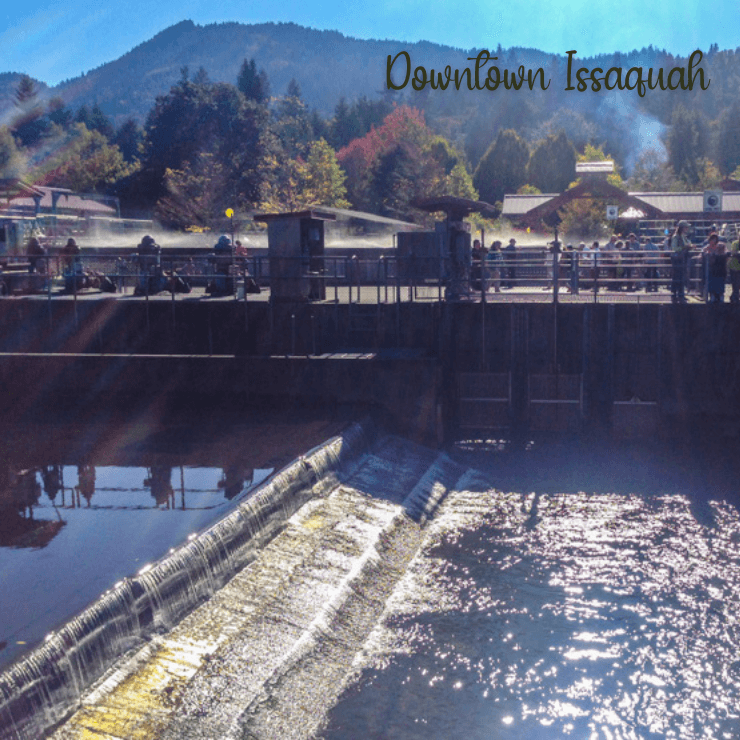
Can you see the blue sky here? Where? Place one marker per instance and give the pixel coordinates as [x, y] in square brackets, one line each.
[53, 41]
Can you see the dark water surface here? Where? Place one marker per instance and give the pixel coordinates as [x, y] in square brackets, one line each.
[584, 590]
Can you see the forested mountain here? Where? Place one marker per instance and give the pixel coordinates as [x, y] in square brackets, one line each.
[277, 116]
[328, 66]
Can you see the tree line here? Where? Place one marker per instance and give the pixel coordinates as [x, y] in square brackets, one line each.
[206, 146]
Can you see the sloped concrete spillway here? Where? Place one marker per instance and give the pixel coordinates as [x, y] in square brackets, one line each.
[268, 650]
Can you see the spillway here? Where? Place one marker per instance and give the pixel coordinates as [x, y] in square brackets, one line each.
[378, 588]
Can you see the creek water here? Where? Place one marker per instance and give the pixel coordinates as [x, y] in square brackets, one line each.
[585, 591]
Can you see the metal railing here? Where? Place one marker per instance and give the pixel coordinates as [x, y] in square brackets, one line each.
[537, 274]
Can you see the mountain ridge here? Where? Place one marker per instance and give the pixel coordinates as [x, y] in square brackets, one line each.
[128, 86]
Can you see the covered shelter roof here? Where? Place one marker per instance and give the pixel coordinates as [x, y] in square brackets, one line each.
[691, 205]
[587, 189]
[346, 214]
[24, 199]
[309, 213]
[657, 205]
[13, 187]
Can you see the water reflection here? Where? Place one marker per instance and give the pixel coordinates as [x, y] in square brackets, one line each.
[20, 492]
[70, 531]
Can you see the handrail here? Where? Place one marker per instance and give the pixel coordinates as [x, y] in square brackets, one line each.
[532, 271]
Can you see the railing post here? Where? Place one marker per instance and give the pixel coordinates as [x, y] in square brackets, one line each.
[172, 291]
[246, 311]
[595, 264]
[356, 268]
[378, 273]
[313, 334]
[74, 297]
[48, 286]
[348, 277]
[385, 280]
[440, 279]
[398, 280]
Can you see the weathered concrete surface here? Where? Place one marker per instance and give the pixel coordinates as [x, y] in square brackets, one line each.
[402, 359]
[267, 655]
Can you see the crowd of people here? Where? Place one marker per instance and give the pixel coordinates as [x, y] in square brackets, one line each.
[626, 264]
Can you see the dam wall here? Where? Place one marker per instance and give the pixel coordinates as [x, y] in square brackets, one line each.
[427, 367]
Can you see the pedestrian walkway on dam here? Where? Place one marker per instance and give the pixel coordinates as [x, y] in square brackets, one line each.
[372, 295]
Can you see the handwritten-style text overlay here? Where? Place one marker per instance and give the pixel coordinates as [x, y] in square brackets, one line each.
[485, 74]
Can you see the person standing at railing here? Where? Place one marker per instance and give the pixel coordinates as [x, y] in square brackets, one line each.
[494, 260]
[569, 262]
[35, 253]
[150, 267]
[552, 263]
[71, 265]
[610, 261]
[590, 261]
[222, 259]
[651, 265]
[716, 257]
[733, 266]
[509, 253]
[630, 261]
[680, 248]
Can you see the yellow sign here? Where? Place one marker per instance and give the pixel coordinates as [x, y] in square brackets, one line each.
[229, 213]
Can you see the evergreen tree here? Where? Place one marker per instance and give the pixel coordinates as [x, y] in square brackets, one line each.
[26, 93]
[345, 126]
[99, 122]
[129, 139]
[394, 181]
[30, 124]
[83, 116]
[503, 168]
[685, 145]
[292, 124]
[253, 84]
[58, 114]
[192, 120]
[552, 165]
[728, 140]
[201, 77]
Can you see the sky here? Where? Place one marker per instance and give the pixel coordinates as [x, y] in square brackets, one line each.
[54, 41]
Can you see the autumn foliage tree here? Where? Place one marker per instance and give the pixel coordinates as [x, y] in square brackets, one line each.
[400, 162]
[83, 161]
[297, 183]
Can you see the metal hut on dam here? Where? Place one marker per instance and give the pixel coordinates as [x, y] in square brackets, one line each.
[295, 245]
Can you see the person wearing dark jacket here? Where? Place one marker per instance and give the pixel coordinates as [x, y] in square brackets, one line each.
[35, 252]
